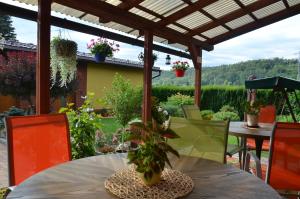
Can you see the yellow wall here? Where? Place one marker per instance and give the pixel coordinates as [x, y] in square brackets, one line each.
[101, 75]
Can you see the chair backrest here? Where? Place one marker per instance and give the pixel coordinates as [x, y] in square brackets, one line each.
[35, 143]
[191, 112]
[200, 138]
[284, 161]
[267, 114]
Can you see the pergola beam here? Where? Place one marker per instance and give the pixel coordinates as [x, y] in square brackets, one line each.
[234, 15]
[109, 12]
[43, 58]
[75, 26]
[257, 24]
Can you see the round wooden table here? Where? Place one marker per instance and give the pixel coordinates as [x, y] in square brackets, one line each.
[264, 132]
[85, 178]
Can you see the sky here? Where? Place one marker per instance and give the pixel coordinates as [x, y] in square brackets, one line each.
[281, 39]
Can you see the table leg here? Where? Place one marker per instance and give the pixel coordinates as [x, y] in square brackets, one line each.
[258, 146]
[244, 146]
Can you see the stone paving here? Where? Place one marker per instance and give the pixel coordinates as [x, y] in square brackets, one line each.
[3, 165]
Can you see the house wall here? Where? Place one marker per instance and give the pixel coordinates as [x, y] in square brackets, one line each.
[100, 76]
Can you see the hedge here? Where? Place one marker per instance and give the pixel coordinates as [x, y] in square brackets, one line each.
[214, 97]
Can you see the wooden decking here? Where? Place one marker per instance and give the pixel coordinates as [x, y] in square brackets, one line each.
[3, 165]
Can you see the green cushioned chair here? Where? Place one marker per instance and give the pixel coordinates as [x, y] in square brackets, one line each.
[3, 192]
[200, 138]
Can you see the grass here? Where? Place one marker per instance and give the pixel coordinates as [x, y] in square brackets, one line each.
[110, 126]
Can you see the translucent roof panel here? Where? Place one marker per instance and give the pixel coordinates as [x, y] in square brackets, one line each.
[164, 7]
[194, 20]
[117, 26]
[174, 27]
[113, 2]
[66, 10]
[240, 22]
[268, 10]
[215, 32]
[221, 8]
[142, 13]
[247, 2]
[293, 2]
[199, 38]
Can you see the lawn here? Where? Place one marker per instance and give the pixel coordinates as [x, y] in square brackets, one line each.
[110, 126]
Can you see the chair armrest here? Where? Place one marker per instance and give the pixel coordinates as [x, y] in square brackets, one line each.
[250, 155]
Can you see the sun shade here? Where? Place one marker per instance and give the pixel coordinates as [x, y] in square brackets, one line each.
[273, 83]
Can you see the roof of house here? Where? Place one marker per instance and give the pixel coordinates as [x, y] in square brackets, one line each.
[16, 45]
[180, 23]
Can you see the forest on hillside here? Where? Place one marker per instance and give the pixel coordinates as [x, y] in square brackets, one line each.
[234, 74]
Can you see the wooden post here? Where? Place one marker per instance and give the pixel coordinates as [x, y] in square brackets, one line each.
[148, 63]
[196, 54]
[43, 58]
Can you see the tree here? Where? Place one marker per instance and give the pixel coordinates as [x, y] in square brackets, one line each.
[7, 31]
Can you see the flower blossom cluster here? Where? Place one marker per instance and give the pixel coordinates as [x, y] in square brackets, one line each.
[180, 65]
[103, 46]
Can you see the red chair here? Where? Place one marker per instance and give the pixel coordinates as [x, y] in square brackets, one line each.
[267, 114]
[283, 171]
[36, 143]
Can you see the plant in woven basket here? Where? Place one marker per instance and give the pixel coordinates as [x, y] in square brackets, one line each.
[150, 156]
[63, 60]
[252, 110]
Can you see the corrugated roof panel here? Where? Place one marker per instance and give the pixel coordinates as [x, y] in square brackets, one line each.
[194, 20]
[221, 8]
[240, 21]
[113, 2]
[268, 10]
[66, 10]
[142, 13]
[215, 32]
[176, 45]
[247, 2]
[293, 2]
[174, 27]
[119, 27]
[91, 18]
[159, 39]
[199, 38]
[164, 7]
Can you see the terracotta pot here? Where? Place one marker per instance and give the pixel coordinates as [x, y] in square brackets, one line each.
[154, 180]
[179, 73]
[252, 120]
[99, 57]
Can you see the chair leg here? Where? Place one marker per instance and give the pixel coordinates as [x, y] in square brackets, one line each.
[240, 159]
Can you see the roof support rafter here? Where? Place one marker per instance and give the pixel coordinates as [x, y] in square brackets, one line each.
[234, 15]
[113, 13]
[286, 4]
[258, 24]
[245, 9]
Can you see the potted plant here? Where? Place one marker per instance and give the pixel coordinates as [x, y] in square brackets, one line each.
[102, 48]
[63, 60]
[151, 154]
[252, 110]
[180, 67]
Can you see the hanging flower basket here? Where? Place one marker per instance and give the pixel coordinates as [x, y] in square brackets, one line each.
[180, 67]
[102, 48]
[179, 73]
[63, 60]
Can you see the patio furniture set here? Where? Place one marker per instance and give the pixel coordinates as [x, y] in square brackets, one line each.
[40, 163]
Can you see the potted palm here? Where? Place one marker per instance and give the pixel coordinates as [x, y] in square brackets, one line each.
[102, 48]
[150, 156]
[180, 67]
[252, 110]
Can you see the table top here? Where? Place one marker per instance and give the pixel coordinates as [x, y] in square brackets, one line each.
[240, 129]
[85, 178]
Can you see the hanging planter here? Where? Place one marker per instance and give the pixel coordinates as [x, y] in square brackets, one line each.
[180, 67]
[63, 60]
[102, 48]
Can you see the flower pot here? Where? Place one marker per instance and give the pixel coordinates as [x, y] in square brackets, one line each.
[252, 120]
[179, 73]
[99, 57]
[154, 180]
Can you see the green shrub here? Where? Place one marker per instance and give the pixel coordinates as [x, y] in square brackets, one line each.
[207, 114]
[227, 108]
[173, 105]
[84, 123]
[226, 116]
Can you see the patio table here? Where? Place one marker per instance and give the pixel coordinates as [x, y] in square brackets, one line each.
[260, 134]
[85, 178]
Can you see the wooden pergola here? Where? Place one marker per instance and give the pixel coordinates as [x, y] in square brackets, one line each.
[192, 25]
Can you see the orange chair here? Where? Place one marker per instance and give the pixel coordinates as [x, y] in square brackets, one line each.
[283, 171]
[267, 114]
[36, 143]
